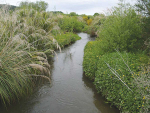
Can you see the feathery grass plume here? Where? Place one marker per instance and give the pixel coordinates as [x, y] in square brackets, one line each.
[13, 81]
[20, 61]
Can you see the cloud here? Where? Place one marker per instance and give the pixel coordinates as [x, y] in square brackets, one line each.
[83, 6]
[88, 7]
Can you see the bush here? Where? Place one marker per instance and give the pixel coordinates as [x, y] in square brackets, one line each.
[73, 14]
[71, 24]
[122, 30]
[123, 78]
[87, 19]
[94, 27]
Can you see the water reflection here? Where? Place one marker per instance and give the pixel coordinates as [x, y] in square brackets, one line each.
[99, 100]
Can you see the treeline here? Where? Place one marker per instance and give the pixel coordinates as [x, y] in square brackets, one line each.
[118, 61]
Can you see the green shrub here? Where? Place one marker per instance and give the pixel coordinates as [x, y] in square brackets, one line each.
[73, 14]
[71, 24]
[123, 78]
[122, 30]
[115, 76]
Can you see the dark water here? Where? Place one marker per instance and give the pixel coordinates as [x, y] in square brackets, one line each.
[70, 90]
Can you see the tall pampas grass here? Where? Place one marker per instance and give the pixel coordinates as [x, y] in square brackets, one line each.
[25, 41]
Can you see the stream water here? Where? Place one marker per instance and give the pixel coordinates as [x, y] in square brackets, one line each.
[70, 91]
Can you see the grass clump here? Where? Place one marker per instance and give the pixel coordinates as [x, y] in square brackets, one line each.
[16, 71]
[28, 36]
[21, 57]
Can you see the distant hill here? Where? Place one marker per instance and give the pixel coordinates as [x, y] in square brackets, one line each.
[10, 7]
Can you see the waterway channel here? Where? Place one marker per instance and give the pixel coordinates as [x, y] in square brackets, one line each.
[70, 91]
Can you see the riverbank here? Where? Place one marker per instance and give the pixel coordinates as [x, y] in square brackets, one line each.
[69, 91]
[118, 76]
[118, 61]
[28, 39]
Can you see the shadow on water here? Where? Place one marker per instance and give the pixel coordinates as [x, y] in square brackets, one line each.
[70, 91]
[99, 100]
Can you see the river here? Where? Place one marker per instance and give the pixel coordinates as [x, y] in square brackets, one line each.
[70, 91]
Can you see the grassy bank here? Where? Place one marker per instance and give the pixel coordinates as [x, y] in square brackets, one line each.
[118, 61]
[66, 39]
[28, 36]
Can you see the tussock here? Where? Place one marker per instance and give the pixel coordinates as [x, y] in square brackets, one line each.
[42, 69]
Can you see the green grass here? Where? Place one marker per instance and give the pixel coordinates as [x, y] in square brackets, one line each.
[92, 53]
[66, 39]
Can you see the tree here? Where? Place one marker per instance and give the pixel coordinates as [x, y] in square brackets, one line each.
[96, 14]
[73, 14]
[143, 6]
[121, 30]
[39, 5]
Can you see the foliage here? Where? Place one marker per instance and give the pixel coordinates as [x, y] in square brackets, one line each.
[10, 7]
[73, 14]
[38, 5]
[143, 6]
[123, 78]
[115, 75]
[94, 27]
[66, 39]
[122, 30]
[116, 81]
[96, 14]
[17, 59]
[26, 35]
[57, 12]
[35, 28]
[87, 19]
[70, 24]
[92, 53]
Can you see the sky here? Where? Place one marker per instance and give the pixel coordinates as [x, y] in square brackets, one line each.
[88, 7]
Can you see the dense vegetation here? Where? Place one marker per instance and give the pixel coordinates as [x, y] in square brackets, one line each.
[118, 61]
[29, 37]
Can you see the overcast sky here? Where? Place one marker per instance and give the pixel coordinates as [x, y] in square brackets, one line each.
[88, 7]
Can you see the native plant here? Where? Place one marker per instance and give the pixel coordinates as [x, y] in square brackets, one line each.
[70, 24]
[38, 5]
[143, 7]
[20, 59]
[122, 30]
